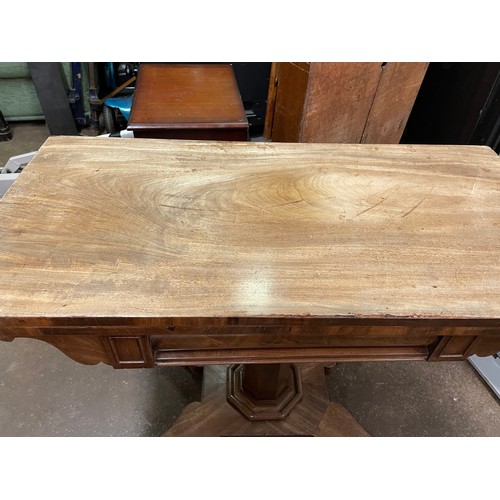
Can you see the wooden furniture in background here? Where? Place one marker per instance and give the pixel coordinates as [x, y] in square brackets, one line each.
[341, 102]
[458, 103]
[253, 253]
[188, 101]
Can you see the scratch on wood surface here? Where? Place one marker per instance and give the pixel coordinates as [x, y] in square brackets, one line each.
[417, 84]
[197, 209]
[457, 278]
[415, 207]
[178, 208]
[194, 208]
[370, 208]
[482, 281]
[298, 67]
[476, 180]
[288, 203]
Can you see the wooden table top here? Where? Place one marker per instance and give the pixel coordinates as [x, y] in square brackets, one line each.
[186, 95]
[98, 229]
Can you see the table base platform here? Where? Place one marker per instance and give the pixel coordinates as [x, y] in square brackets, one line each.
[313, 415]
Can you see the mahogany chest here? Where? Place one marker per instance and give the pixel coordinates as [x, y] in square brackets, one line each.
[188, 101]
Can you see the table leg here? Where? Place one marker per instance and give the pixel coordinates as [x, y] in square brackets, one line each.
[265, 400]
[264, 392]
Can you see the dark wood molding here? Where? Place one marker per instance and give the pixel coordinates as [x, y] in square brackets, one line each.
[264, 392]
[135, 347]
[129, 351]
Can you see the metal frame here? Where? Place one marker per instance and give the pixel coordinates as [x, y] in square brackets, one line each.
[51, 88]
[489, 368]
[6, 181]
[10, 172]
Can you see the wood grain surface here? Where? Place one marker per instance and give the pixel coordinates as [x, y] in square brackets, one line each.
[114, 232]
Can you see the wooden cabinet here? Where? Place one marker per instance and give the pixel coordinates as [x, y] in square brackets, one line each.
[341, 102]
[188, 101]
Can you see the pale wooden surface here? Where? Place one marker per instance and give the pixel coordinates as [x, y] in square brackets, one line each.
[150, 228]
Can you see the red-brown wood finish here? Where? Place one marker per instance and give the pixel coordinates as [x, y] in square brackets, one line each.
[188, 101]
[313, 415]
[341, 102]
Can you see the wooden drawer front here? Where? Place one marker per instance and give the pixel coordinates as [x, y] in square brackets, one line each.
[130, 352]
[272, 341]
[288, 355]
[271, 348]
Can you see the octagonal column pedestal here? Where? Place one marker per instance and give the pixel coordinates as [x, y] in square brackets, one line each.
[265, 400]
[264, 392]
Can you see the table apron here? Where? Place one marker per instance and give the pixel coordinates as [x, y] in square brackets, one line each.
[145, 347]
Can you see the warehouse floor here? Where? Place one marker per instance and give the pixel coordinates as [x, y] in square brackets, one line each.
[44, 393]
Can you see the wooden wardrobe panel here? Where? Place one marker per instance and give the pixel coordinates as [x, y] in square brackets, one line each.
[341, 102]
[394, 99]
[338, 101]
[290, 88]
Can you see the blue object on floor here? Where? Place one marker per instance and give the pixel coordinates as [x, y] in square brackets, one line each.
[123, 104]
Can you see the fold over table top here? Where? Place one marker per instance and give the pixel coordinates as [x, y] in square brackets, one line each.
[98, 229]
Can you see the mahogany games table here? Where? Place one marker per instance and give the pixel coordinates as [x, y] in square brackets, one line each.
[274, 259]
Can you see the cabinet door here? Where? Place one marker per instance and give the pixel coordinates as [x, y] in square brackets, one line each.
[285, 102]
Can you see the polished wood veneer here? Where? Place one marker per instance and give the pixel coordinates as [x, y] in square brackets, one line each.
[188, 101]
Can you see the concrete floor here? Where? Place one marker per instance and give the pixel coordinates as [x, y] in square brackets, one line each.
[44, 393]
[26, 137]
